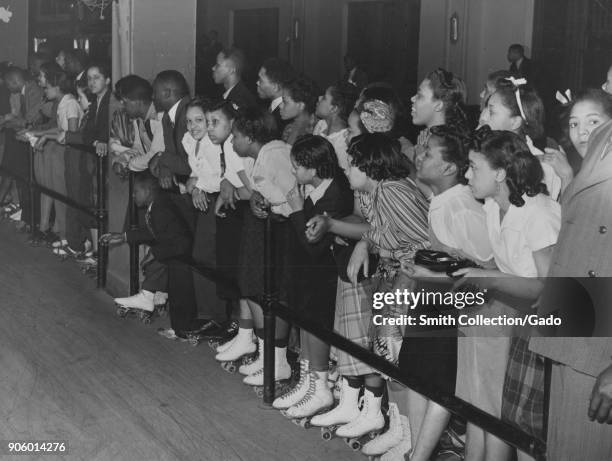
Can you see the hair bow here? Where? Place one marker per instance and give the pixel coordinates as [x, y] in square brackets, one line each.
[518, 82]
[564, 98]
[377, 116]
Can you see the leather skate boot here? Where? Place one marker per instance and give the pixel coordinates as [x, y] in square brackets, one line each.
[298, 392]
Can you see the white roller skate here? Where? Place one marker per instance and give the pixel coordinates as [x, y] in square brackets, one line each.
[369, 422]
[242, 345]
[317, 400]
[389, 439]
[141, 305]
[298, 392]
[257, 364]
[282, 369]
[160, 301]
[346, 411]
[404, 447]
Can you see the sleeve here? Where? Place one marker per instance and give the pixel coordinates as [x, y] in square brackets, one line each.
[542, 228]
[157, 143]
[470, 232]
[73, 110]
[233, 164]
[404, 221]
[141, 234]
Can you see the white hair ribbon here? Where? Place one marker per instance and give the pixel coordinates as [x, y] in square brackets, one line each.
[517, 82]
[564, 98]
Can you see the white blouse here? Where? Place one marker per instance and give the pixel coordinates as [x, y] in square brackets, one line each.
[458, 221]
[206, 164]
[337, 139]
[272, 175]
[523, 230]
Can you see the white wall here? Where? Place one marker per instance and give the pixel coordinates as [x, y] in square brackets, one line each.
[487, 26]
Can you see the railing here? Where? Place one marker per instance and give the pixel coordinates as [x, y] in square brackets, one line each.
[99, 212]
[272, 308]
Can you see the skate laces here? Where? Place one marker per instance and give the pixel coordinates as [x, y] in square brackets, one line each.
[304, 374]
[312, 387]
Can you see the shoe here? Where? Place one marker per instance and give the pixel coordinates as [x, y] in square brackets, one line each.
[404, 447]
[298, 392]
[346, 411]
[169, 333]
[36, 238]
[389, 439]
[318, 398]
[142, 300]
[282, 369]
[223, 346]
[160, 298]
[50, 238]
[370, 418]
[249, 369]
[243, 345]
[16, 216]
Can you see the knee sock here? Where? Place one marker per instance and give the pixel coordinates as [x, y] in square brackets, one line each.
[245, 323]
[377, 391]
[278, 342]
[354, 381]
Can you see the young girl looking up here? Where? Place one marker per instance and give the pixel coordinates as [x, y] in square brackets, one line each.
[333, 109]
[516, 107]
[271, 179]
[314, 164]
[523, 223]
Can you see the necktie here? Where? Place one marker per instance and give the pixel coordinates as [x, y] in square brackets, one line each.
[22, 104]
[144, 136]
[197, 149]
[222, 158]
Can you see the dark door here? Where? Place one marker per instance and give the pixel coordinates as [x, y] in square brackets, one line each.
[256, 33]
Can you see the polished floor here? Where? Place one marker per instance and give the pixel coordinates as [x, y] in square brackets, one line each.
[71, 370]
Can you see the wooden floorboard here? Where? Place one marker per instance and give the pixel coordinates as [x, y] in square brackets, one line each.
[70, 369]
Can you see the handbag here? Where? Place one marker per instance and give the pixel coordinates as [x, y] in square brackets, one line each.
[342, 256]
[439, 261]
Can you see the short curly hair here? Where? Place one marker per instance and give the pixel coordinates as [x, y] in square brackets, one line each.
[303, 89]
[379, 157]
[507, 150]
[315, 152]
[257, 124]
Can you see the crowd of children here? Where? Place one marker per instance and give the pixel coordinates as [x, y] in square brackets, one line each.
[352, 204]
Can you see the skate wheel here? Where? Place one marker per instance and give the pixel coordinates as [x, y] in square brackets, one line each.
[193, 342]
[373, 435]
[146, 320]
[121, 312]
[326, 434]
[258, 391]
[355, 444]
[307, 424]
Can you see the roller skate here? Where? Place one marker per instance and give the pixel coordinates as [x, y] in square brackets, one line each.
[36, 238]
[228, 335]
[257, 364]
[62, 250]
[10, 210]
[392, 437]
[160, 302]
[346, 411]
[242, 345]
[282, 372]
[204, 333]
[368, 424]
[318, 400]
[140, 305]
[404, 447]
[298, 392]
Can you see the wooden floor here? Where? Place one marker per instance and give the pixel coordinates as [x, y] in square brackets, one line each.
[70, 369]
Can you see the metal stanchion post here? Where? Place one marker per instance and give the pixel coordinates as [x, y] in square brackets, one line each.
[269, 318]
[31, 194]
[101, 217]
[133, 214]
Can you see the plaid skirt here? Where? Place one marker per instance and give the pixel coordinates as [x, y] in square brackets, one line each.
[353, 320]
[523, 396]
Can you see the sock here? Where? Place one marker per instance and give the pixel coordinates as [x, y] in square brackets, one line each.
[281, 342]
[246, 324]
[259, 332]
[377, 391]
[354, 381]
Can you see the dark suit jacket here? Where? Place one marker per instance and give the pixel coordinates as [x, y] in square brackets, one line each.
[174, 157]
[242, 97]
[337, 202]
[171, 237]
[96, 124]
[280, 123]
